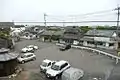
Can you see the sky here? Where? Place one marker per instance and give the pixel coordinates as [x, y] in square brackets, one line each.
[56, 10]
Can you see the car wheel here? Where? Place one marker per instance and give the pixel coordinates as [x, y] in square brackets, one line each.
[57, 77]
[23, 62]
[34, 58]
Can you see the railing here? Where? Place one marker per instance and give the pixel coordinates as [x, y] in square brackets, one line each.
[94, 50]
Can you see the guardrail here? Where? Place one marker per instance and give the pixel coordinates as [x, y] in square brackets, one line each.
[94, 50]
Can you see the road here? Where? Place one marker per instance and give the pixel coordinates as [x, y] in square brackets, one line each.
[93, 64]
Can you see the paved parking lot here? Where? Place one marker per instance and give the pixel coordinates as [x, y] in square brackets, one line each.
[94, 65]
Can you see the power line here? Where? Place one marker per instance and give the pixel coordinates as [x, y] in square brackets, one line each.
[56, 19]
[98, 12]
[70, 22]
[87, 15]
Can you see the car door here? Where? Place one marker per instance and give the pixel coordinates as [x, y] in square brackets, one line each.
[25, 58]
[29, 57]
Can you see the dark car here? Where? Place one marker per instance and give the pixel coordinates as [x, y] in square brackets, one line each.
[65, 47]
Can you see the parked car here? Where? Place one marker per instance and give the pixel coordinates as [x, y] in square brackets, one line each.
[46, 64]
[33, 46]
[56, 70]
[72, 74]
[27, 49]
[26, 57]
[65, 47]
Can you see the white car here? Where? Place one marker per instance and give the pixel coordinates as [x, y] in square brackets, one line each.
[56, 70]
[26, 57]
[27, 49]
[46, 64]
[33, 46]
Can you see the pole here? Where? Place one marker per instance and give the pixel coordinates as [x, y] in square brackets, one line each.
[45, 20]
[118, 13]
[63, 23]
[118, 19]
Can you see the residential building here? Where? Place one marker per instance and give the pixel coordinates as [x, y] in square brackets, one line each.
[6, 25]
[100, 38]
[71, 35]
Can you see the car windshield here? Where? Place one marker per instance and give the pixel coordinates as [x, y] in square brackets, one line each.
[55, 67]
[30, 46]
[44, 64]
[22, 56]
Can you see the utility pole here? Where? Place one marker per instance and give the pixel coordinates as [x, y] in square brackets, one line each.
[45, 20]
[63, 23]
[118, 13]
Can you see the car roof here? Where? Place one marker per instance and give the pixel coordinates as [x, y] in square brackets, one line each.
[47, 61]
[30, 45]
[28, 53]
[59, 63]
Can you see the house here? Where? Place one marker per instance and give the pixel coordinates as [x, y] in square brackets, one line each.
[49, 35]
[20, 28]
[33, 32]
[100, 38]
[8, 62]
[71, 35]
[6, 25]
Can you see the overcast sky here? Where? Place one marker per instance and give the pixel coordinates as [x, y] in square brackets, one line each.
[33, 10]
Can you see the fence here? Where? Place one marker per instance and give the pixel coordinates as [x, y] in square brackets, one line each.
[94, 50]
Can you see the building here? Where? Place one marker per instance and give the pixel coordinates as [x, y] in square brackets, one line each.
[6, 24]
[33, 32]
[100, 38]
[71, 35]
[50, 35]
[8, 62]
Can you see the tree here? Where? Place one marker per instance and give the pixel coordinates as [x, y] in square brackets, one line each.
[84, 29]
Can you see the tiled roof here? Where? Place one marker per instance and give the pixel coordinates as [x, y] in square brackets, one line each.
[47, 33]
[106, 33]
[6, 56]
[6, 24]
[18, 26]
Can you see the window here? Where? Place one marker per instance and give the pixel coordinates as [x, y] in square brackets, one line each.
[64, 65]
[44, 64]
[53, 63]
[49, 63]
[55, 67]
[1, 66]
[111, 44]
[90, 42]
[30, 55]
[99, 43]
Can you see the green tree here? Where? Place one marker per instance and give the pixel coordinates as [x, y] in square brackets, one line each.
[84, 29]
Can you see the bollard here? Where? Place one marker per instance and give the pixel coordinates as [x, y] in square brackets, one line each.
[116, 61]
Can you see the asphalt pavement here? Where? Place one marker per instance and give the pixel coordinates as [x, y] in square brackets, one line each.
[94, 65]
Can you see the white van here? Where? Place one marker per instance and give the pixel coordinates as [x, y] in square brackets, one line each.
[72, 74]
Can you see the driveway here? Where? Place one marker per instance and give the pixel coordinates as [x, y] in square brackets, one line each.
[93, 64]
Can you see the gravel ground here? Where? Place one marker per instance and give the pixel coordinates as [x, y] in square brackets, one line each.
[93, 64]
